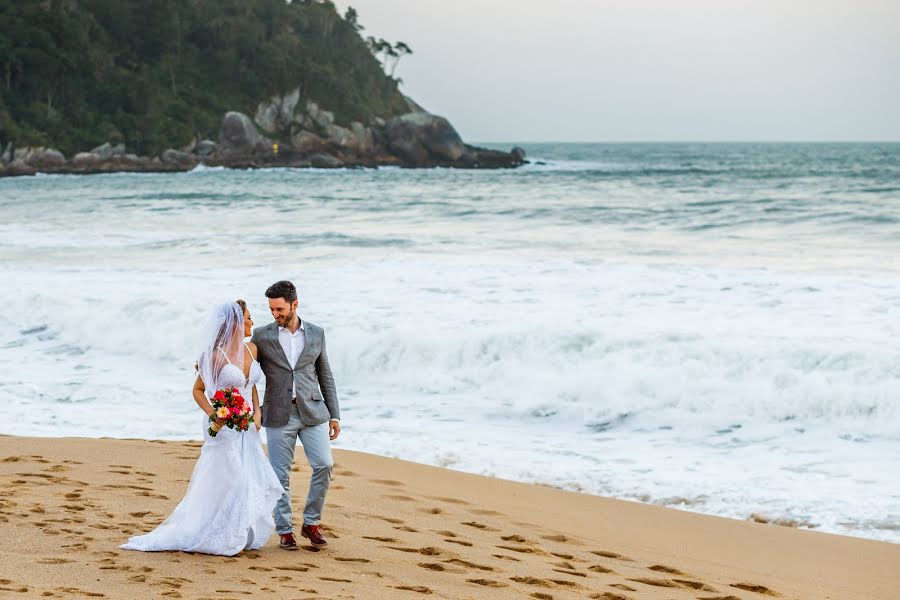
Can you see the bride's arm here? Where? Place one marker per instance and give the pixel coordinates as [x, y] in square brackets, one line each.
[199, 393]
[257, 416]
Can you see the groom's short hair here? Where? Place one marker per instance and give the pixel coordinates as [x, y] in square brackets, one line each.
[282, 289]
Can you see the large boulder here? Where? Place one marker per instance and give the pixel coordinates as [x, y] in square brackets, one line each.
[176, 157]
[83, 159]
[19, 167]
[363, 141]
[107, 150]
[46, 158]
[325, 161]
[307, 142]
[206, 148]
[238, 137]
[518, 154]
[420, 136]
[278, 113]
[38, 157]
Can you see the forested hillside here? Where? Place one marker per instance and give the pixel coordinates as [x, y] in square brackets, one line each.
[154, 74]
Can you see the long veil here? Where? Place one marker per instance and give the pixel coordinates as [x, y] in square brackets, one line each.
[222, 345]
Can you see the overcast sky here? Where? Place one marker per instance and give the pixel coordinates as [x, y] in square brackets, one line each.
[658, 70]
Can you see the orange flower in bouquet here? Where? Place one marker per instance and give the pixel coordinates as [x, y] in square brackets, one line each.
[231, 407]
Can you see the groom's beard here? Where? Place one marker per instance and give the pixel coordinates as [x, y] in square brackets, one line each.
[286, 320]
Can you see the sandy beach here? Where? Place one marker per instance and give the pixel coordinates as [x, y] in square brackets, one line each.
[400, 530]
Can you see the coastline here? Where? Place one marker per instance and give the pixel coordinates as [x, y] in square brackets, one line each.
[398, 529]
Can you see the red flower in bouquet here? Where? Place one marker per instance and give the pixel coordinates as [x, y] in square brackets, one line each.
[232, 408]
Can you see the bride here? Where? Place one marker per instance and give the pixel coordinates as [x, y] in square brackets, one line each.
[228, 504]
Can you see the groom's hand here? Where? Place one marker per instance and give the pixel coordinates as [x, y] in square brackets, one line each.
[334, 429]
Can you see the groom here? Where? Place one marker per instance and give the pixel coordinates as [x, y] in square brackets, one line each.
[292, 355]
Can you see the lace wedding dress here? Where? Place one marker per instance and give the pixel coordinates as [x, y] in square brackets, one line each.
[233, 490]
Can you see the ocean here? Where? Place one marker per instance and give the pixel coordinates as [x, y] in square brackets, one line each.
[711, 327]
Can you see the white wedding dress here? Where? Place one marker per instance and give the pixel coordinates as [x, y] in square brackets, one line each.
[233, 490]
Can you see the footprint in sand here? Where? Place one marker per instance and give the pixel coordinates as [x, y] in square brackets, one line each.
[8, 585]
[622, 586]
[488, 582]
[666, 583]
[481, 526]
[450, 500]
[564, 582]
[515, 538]
[421, 589]
[522, 549]
[613, 555]
[390, 482]
[471, 565]
[752, 587]
[446, 533]
[390, 520]
[609, 596]
[460, 542]
[665, 569]
[357, 560]
[296, 568]
[527, 580]
[695, 585]
[601, 569]
[567, 572]
[78, 546]
[54, 561]
[505, 557]
[486, 513]
[72, 590]
[557, 538]
[337, 579]
[542, 596]
[388, 540]
[434, 566]
[427, 551]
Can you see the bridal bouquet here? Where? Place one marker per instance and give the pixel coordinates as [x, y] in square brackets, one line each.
[230, 406]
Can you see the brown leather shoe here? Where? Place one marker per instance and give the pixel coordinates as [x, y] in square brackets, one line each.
[312, 533]
[288, 542]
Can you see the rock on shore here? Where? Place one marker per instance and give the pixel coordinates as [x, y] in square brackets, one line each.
[285, 132]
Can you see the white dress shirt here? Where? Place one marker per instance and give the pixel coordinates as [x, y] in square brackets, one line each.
[292, 344]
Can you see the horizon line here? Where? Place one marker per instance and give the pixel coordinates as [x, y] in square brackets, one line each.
[897, 141]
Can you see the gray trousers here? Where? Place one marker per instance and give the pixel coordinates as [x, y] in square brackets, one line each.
[282, 441]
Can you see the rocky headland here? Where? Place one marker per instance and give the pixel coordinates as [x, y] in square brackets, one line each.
[283, 133]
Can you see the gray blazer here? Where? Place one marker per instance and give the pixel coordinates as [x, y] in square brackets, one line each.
[311, 373]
